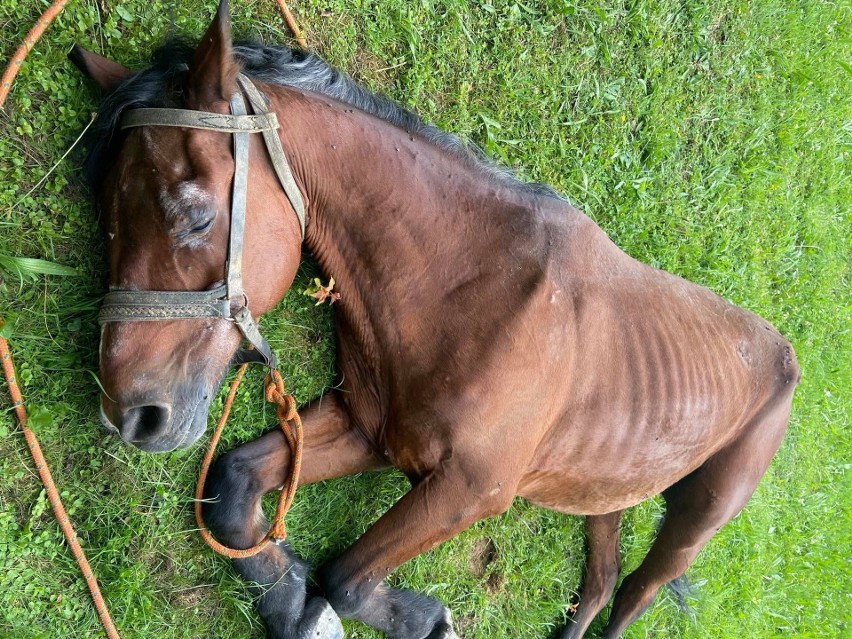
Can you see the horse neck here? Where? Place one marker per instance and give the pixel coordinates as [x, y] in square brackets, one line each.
[391, 216]
[375, 191]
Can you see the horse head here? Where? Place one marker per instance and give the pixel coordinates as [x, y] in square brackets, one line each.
[164, 195]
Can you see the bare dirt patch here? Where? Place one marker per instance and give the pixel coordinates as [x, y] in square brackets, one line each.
[482, 554]
[495, 583]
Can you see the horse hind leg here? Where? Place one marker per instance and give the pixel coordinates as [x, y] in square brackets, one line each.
[697, 506]
[603, 564]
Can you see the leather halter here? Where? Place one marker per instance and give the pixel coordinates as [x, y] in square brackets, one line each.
[229, 300]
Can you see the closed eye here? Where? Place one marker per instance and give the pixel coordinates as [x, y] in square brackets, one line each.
[201, 228]
[195, 232]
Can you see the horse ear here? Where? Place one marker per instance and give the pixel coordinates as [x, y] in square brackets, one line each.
[106, 73]
[213, 73]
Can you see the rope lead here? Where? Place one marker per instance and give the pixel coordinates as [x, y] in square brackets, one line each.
[52, 492]
[285, 403]
[291, 426]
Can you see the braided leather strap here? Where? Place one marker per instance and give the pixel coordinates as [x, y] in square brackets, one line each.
[223, 122]
[136, 313]
[150, 306]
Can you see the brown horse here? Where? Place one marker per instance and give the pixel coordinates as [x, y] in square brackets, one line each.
[492, 341]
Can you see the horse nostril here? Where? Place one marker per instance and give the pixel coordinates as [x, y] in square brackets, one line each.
[143, 423]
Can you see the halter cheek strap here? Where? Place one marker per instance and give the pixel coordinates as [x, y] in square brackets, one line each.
[227, 301]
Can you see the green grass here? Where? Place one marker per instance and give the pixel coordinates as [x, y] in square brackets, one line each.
[707, 138]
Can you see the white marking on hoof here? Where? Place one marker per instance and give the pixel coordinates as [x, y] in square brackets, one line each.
[328, 625]
[448, 618]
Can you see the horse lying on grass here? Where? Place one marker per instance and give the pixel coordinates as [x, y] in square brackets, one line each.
[492, 341]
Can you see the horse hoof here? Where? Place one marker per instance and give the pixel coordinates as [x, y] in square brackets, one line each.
[450, 633]
[321, 622]
[444, 630]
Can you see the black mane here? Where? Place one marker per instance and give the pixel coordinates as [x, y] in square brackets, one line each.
[161, 85]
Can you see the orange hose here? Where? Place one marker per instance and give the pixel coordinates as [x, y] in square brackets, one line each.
[52, 492]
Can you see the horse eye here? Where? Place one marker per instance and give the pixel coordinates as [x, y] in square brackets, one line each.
[201, 228]
[196, 231]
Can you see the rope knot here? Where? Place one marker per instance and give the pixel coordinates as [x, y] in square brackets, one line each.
[291, 426]
[278, 532]
[285, 404]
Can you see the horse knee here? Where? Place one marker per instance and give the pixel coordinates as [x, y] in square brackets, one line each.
[346, 595]
[599, 586]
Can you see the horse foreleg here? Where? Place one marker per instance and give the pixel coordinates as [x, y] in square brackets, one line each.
[235, 486]
[445, 502]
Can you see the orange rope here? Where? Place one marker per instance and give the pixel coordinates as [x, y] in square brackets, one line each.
[29, 42]
[291, 425]
[291, 22]
[56, 8]
[285, 410]
[52, 492]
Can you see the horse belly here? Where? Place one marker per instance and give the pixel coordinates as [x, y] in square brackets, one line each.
[586, 475]
[661, 380]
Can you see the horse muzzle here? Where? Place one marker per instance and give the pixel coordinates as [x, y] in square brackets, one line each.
[157, 426]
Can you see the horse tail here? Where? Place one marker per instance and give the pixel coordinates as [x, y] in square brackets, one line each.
[681, 587]
[683, 590]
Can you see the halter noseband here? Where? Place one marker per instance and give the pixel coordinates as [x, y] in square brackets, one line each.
[229, 300]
